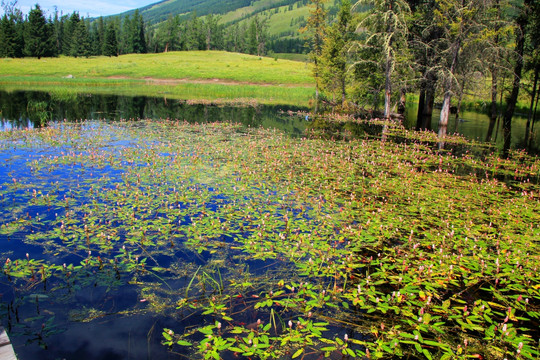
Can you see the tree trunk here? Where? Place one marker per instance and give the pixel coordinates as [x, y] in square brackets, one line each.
[316, 97]
[534, 117]
[460, 101]
[458, 111]
[430, 101]
[316, 73]
[533, 96]
[445, 112]
[494, 70]
[343, 90]
[493, 107]
[387, 88]
[533, 120]
[402, 101]
[420, 112]
[512, 100]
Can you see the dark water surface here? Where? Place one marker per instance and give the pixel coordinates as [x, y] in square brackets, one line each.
[32, 109]
[23, 109]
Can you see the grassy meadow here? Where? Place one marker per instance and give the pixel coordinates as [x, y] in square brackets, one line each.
[199, 75]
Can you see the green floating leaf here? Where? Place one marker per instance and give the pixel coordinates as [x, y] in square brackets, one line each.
[298, 353]
[184, 343]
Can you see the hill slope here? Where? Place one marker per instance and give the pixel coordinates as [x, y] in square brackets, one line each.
[159, 12]
[283, 17]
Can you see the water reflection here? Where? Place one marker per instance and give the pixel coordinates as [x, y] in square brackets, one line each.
[475, 125]
[31, 109]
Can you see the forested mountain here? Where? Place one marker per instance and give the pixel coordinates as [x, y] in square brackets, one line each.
[160, 11]
[282, 19]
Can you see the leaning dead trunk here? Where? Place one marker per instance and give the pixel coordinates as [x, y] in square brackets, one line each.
[445, 111]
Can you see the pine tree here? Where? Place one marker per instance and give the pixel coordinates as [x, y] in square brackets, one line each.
[110, 47]
[334, 54]
[316, 26]
[138, 45]
[168, 35]
[38, 35]
[81, 45]
[261, 34]
[13, 31]
[100, 37]
[7, 37]
[126, 36]
[214, 38]
[71, 37]
[195, 39]
[58, 32]
[252, 38]
[142, 48]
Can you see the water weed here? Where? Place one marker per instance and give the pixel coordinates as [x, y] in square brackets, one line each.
[266, 246]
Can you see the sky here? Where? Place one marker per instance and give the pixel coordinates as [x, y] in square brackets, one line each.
[92, 8]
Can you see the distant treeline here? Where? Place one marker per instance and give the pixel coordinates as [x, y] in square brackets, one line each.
[69, 35]
[207, 33]
[35, 35]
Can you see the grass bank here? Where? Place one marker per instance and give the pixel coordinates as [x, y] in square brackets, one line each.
[200, 75]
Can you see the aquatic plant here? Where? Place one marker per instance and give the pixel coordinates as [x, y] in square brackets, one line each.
[266, 246]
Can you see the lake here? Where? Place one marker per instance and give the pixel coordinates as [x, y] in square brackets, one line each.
[177, 233]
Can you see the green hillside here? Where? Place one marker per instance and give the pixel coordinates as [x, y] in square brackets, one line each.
[283, 18]
[159, 12]
[232, 9]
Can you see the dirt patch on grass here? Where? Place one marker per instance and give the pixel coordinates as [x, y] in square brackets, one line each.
[157, 81]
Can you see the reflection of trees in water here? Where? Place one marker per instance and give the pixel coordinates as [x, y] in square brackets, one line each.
[17, 108]
[20, 108]
[343, 130]
[24, 107]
